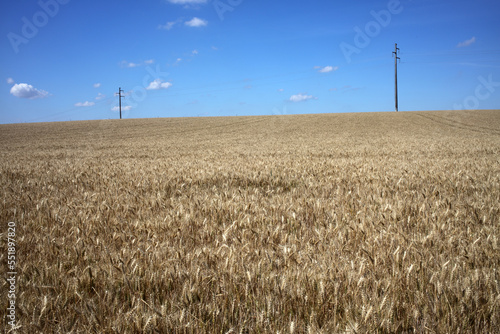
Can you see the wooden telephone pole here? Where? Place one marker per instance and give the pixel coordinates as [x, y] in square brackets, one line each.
[120, 90]
[395, 53]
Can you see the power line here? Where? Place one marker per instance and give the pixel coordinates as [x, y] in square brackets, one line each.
[457, 52]
[51, 116]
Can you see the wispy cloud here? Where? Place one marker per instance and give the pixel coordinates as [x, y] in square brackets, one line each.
[168, 25]
[158, 84]
[124, 108]
[196, 22]
[128, 64]
[25, 91]
[100, 96]
[344, 89]
[327, 69]
[466, 43]
[302, 97]
[84, 104]
[10, 81]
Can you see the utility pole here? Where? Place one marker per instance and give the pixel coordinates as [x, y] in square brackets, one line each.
[120, 90]
[395, 53]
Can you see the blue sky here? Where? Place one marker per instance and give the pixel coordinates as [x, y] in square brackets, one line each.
[65, 59]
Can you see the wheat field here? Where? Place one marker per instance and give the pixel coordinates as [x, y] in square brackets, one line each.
[334, 223]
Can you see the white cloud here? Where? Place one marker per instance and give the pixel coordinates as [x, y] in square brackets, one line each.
[159, 84]
[127, 64]
[10, 81]
[281, 90]
[196, 22]
[195, 52]
[327, 69]
[97, 85]
[25, 91]
[186, 2]
[167, 26]
[467, 42]
[100, 96]
[84, 104]
[124, 108]
[302, 97]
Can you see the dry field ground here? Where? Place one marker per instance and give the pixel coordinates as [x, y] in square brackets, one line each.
[357, 223]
